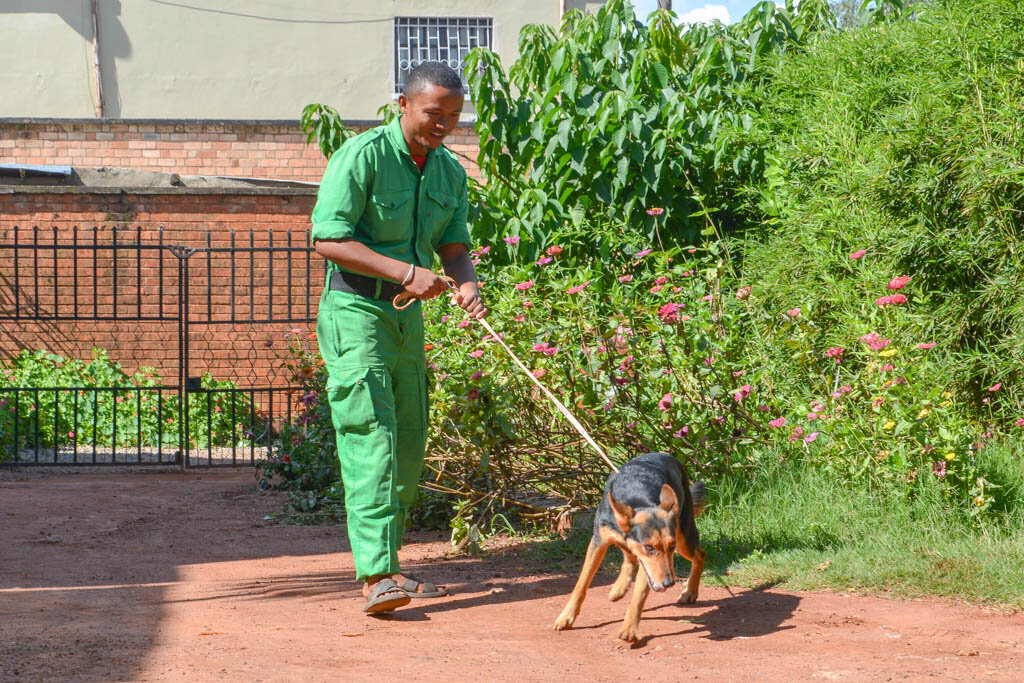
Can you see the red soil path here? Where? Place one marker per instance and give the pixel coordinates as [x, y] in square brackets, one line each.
[169, 576]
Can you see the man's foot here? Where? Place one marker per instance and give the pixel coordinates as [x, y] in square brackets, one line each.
[413, 586]
[384, 596]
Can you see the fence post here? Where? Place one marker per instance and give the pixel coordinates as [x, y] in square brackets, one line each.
[183, 254]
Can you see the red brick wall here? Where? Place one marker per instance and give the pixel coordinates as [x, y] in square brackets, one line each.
[247, 149]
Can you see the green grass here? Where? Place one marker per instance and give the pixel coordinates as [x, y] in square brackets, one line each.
[799, 529]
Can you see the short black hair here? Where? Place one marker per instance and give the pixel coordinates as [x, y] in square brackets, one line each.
[431, 73]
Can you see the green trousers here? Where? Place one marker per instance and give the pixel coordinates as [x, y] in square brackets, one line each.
[378, 394]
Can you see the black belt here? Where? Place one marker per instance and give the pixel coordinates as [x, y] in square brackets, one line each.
[364, 286]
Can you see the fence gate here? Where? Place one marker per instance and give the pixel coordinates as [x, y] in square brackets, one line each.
[122, 349]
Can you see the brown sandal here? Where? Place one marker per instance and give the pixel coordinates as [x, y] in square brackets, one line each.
[385, 596]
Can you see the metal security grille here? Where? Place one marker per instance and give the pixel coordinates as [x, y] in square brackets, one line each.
[436, 39]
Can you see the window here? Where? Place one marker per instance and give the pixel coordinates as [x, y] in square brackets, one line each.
[436, 39]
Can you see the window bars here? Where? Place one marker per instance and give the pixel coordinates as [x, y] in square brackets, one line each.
[437, 39]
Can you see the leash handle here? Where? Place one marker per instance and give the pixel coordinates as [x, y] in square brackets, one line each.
[404, 298]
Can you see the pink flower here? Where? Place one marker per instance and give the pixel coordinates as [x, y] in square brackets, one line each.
[669, 313]
[626, 278]
[71, 435]
[481, 251]
[845, 389]
[683, 431]
[811, 437]
[464, 323]
[939, 469]
[898, 282]
[887, 367]
[891, 300]
[445, 317]
[512, 240]
[544, 260]
[523, 286]
[811, 417]
[709, 360]
[777, 423]
[476, 354]
[655, 211]
[665, 403]
[661, 280]
[642, 253]
[798, 432]
[475, 262]
[996, 387]
[1019, 422]
[655, 289]
[296, 330]
[578, 288]
[874, 342]
[926, 345]
[708, 297]
[834, 352]
[743, 292]
[857, 254]
[473, 394]
[742, 393]
[553, 250]
[793, 312]
[527, 304]
[519, 318]
[475, 376]
[684, 318]
[539, 372]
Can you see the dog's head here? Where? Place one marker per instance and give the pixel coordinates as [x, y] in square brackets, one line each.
[650, 534]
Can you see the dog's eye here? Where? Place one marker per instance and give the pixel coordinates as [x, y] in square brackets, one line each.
[650, 549]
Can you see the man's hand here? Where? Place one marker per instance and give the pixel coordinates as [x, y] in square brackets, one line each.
[426, 284]
[468, 297]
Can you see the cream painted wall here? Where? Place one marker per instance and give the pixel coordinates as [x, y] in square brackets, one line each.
[221, 59]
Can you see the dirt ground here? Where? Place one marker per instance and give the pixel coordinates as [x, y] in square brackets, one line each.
[116, 575]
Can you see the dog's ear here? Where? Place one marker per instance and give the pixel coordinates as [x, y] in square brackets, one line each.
[623, 515]
[669, 500]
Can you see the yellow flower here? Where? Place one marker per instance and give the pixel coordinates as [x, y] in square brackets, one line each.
[883, 455]
[979, 501]
[944, 404]
[924, 413]
[889, 425]
[950, 456]
[888, 352]
[947, 394]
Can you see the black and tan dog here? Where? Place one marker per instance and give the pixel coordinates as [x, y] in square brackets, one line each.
[647, 510]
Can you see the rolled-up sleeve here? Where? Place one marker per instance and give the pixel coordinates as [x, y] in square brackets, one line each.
[457, 230]
[342, 197]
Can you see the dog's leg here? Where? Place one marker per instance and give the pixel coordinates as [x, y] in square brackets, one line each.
[688, 545]
[626, 575]
[595, 554]
[631, 623]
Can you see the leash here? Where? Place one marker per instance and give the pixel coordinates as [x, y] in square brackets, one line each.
[403, 299]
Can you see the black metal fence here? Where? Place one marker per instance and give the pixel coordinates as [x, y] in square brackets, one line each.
[203, 329]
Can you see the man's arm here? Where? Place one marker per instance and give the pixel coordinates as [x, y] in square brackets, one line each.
[359, 258]
[458, 265]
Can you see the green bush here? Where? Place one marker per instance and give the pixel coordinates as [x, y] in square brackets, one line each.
[113, 408]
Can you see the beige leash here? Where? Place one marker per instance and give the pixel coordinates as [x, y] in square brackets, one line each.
[404, 299]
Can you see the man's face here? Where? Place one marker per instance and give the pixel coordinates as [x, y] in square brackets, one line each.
[429, 116]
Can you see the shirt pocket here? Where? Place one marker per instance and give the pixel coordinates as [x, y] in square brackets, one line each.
[391, 214]
[442, 205]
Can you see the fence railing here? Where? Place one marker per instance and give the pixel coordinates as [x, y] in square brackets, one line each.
[174, 350]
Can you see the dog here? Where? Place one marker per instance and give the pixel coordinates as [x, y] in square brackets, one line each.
[647, 510]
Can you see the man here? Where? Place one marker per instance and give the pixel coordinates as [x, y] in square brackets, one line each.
[390, 198]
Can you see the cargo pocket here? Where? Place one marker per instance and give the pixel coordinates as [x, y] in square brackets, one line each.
[351, 399]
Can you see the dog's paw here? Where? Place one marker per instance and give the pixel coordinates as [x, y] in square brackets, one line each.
[617, 592]
[687, 598]
[564, 621]
[629, 633]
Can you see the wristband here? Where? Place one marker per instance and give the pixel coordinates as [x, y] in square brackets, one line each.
[408, 277]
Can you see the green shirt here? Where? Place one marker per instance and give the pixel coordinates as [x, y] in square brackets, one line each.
[373, 192]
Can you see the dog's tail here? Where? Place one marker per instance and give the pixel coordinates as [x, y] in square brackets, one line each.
[697, 492]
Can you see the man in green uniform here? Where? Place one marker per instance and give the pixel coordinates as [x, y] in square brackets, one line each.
[390, 199]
